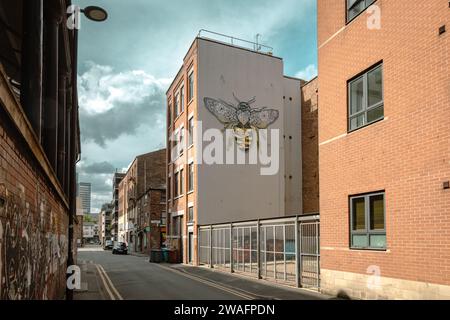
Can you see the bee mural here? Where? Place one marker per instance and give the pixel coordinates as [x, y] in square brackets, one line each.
[241, 118]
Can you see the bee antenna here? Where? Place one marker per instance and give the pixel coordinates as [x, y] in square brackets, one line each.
[238, 101]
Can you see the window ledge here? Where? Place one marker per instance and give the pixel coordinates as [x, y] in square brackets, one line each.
[370, 250]
[368, 125]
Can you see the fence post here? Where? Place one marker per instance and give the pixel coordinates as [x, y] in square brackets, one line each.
[231, 248]
[318, 254]
[210, 247]
[297, 254]
[258, 249]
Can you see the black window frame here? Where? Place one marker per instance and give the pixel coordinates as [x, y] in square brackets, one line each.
[190, 131]
[367, 230]
[181, 172]
[347, 20]
[176, 191]
[366, 108]
[190, 214]
[191, 177]
[182, 98]
[190, 86]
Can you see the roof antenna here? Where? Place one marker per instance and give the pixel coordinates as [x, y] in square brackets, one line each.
[257, 45]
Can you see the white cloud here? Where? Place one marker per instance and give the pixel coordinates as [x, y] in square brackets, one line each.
[308, 73]
[100, 89]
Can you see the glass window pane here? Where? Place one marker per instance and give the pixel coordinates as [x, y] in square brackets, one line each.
[356, 96]
[358, 214]
[375, 84]
[357, 122]
[376, 212]
[375, 114]
[378, 241]
[355, 7]
[359, 241]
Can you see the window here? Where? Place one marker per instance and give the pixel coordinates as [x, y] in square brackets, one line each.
[175, 185]
[191, 214]
[163, 197]
[169, 187]
[170, 114]
[191, 131]
[177, 105]
[366, 99]
[191, 177]
[355, 7]
[182, 99]
[181, 182]
[191, 86]
[163, 218]
[367, 221]
[181, 140]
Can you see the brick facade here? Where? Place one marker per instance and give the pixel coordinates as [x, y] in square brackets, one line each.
[407, 154]
[33, 224]
[148, 171]
[310, 147]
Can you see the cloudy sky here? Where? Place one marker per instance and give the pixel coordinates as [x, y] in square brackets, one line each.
[127, 62]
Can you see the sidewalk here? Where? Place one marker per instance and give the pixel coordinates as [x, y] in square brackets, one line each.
[91, 288]
[259, 289]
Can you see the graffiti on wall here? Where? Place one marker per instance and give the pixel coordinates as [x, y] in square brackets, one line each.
[33, 247]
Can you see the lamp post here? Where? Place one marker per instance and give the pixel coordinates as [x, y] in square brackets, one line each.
[96, 14]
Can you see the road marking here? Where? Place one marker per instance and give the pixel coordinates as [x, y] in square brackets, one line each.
[104, 283]
[209, 283]
[111, 284]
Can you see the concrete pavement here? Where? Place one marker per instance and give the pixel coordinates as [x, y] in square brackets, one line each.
[129, 277]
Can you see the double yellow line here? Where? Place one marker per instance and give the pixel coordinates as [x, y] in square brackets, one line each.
[210, 283]
[107, 283]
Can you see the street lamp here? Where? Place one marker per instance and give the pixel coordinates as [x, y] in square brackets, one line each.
[95, 13]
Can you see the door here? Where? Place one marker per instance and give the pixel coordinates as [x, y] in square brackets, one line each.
[191, 247]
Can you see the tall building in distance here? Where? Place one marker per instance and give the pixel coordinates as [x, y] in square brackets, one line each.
[384, 144]
[84, 192]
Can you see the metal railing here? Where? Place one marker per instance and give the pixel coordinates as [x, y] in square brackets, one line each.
[283, 250]
[246, 44]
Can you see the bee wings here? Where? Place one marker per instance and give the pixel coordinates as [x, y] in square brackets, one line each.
[223, 111]
[263, 118]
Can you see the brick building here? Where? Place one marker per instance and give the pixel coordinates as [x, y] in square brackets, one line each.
[202, 194]
[310, 146]
[151, 219]
[39, 145]
[115, 203]
[146, 172]
[384, 145]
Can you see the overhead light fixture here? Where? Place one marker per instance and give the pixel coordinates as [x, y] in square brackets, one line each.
[95, 13]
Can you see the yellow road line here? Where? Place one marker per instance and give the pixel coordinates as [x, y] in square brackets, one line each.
[104, 283]
[111, 284]
[209, 283]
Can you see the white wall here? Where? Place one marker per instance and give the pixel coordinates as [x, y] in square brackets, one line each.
[292, 146]
[228, 193]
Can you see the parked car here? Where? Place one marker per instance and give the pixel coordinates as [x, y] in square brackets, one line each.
[120, 248]
[108, 245]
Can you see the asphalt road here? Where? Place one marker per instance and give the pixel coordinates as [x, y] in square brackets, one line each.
[134, 278]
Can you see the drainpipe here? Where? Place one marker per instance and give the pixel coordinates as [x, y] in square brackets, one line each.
[73, 155]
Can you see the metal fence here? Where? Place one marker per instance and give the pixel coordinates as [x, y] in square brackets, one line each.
[282, 250]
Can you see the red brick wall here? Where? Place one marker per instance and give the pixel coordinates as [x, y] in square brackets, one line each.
[33, 224]
[310, 147]
[407, 154]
